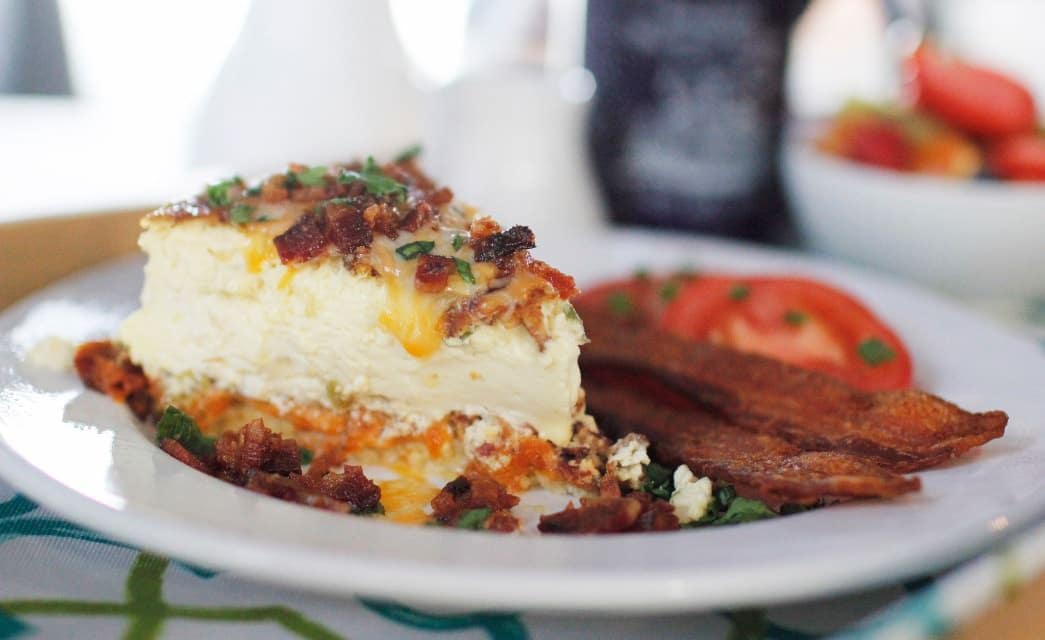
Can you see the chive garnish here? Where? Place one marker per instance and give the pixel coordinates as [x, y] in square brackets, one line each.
[875, 352]
[474, 518]
[795, 318]
[411, 250]
[739, 292]
[464, 270]
[241, 213]
[457, 242]
[620, 303]
[377, 184]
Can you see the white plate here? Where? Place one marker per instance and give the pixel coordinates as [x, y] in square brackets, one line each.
[83, 456]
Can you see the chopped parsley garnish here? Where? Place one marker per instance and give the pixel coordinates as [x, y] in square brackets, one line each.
[875, 352]
[377, 183]
[659, 481]
[474, 518]
[669, 290]
[411, 250]
[620, 303]
[409, 153]
[728, 508]
[745, 510]
[739, 292]
[457, 242]
[177, 425]
[253, 192]
[306, 456]
[795, 318]
[377, 510]
[241, 213]
[642, 273]
[313, 176]
[218, 193]
[570, 312]
[464, 270]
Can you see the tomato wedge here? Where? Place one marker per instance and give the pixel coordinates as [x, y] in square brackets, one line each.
[796, 320]
[1019, 158]
[977, 100]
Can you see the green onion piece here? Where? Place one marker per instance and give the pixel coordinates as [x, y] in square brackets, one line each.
[313, 176]
[464, 270]
[218, 193]
[739, 292]
[174, 424]
[254, 191]
[745, 510]
[570, 312]
[875, 352]
[474, 518]
[377, 184]
[306, 456]
[241, 213]
[669, 291]
[620, 303]
[409, 153]
[457, 242]
[795, 318]
[411, 250]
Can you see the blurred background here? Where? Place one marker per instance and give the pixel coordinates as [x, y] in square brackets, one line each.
[548, 112]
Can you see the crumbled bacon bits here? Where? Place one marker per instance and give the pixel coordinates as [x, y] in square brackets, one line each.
[265, 462]
[433, 273]
[105, 367]
[503, 244]
[634, 512]
[467, 493]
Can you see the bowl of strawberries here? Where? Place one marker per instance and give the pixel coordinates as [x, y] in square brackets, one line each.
[946, 187]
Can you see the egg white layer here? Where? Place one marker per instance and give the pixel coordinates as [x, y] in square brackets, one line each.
[216, 311]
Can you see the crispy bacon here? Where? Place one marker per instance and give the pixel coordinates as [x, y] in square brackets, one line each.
[565, 286]
[351, 486]
[474, 491]
[291, 489]
[304, 240]
[898, 430]
[433, 273]
[175, 449]
[595, 515]
[346, 229]
[254, 448]
[503, 244]
[104, 367]
[759, 465]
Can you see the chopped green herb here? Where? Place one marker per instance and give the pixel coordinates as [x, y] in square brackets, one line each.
[745, 510]
[474, 518]
[262, 219]
[377, 510]
[409, 153]
[341, 201]
[620, 303]
[659, 481]
[290, 181]
[795, 318]
[177, 425]
[669, 290]
[241, 213]
[464, 270]
[725, 495]
[739, 292]
[875, 352]
[377, 184]
[642, 273]
[313, 176]
[306, 456]
[218, 193]
[254, 191]
[411, 250]
[570, 312]
[457, 242]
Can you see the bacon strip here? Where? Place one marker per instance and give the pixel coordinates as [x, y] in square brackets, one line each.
[899, 430]
[758, 465]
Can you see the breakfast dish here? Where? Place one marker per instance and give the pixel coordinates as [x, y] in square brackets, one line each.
[87, 458]
[302, 333]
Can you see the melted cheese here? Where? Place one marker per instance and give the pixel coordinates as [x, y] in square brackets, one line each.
[413, 319]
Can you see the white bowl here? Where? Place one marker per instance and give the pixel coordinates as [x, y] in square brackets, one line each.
[975, 238]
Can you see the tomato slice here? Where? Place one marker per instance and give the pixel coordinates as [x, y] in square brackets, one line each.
[977, 100]
[1019, 158]
[796, 320]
